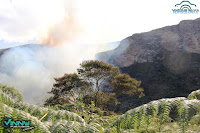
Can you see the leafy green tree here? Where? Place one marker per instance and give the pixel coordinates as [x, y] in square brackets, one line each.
[124, 84]
[64, 89]
[96, 81]
[99, 74]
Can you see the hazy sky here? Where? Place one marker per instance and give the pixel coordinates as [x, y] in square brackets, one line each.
[83, 21]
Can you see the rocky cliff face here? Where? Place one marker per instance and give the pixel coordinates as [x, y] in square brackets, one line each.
[149, 46]
[166, 60]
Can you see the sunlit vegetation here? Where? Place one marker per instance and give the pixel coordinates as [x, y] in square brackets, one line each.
[54, 121]
[78, 106]
[95, 81]
[164, 115]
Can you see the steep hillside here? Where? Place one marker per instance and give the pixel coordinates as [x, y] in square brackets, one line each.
[166, 60]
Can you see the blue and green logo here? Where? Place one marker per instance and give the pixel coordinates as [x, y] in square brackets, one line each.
[185, 7]
[9, 123]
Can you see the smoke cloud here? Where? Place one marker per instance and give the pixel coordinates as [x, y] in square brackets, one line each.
[65, 31]
[32, 68]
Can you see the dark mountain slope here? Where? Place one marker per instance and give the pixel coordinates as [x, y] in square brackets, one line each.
[166, 60]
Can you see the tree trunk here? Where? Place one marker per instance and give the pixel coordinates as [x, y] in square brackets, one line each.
[97, 91]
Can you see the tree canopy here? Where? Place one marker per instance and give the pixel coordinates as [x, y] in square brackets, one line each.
[63, 90]
[102, 81]
[124, 84]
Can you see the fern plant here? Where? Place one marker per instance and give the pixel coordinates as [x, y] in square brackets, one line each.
[194, 95]
[183, 116]
[39, 111]
[150, 113]
[164, 111]
[55, 120]
[140, 117]
[12, 92]
[9, 112]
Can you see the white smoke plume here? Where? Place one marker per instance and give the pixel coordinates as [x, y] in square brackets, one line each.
[32, 68]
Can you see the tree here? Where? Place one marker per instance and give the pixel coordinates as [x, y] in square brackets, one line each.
[124, 84]
[97, 81]
[99, 74]
[64, 89]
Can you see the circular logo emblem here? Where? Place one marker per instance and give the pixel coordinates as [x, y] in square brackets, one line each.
[4, 124]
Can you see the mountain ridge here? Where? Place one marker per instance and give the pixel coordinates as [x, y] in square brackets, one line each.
[142, 47]
[165, 60]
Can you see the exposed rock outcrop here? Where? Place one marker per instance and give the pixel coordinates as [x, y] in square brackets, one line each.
[179, 40]
[166, 60]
